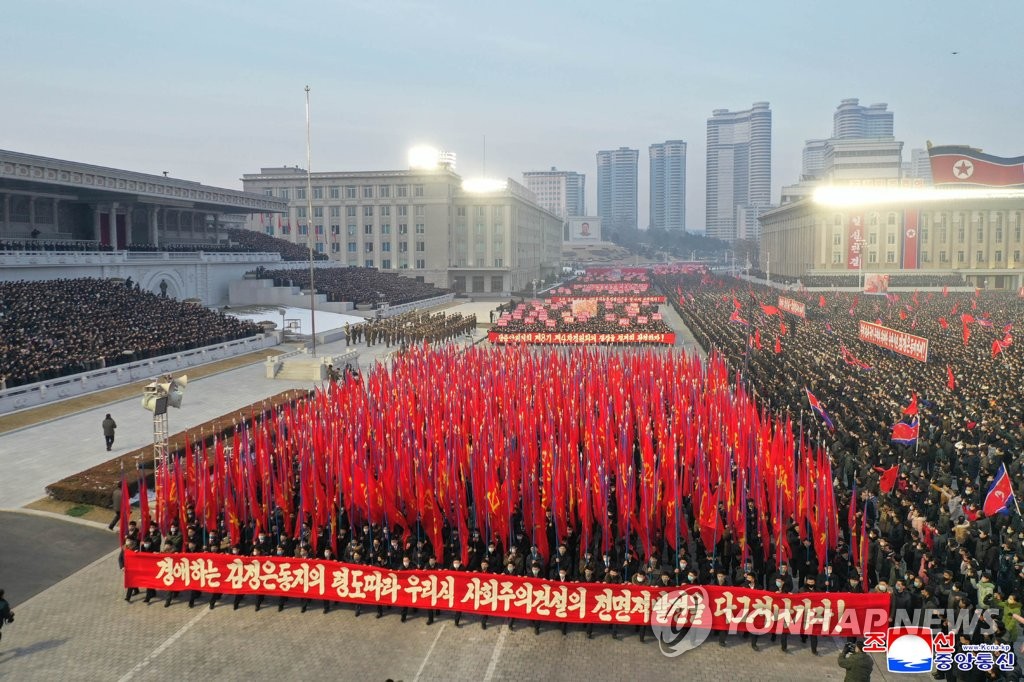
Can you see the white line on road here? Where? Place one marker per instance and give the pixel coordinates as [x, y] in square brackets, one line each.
[163, 647]
[429, 651]
[498, 646]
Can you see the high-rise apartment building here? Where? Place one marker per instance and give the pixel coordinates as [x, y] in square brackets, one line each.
[919, 167]
[616, 189]
[560, 192]
[668, 185]
[853, 121]
[739, 168]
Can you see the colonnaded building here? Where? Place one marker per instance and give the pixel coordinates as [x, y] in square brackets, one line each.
[969, 224]
[424, 222]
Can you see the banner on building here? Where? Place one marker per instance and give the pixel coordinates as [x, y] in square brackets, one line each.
[792, 307]
[915, 347]
[963, 165]
[854, 241]
[574, 338]
[910, 259]
[584, 229]
[504, 596]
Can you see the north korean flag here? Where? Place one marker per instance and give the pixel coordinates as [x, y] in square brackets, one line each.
[997, 501]
[960, 165]
[906, 433]
[819, 410]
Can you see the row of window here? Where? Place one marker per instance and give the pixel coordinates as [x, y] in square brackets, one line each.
[837, 238]
[348, 191]
[368, 228]
[402, 211]
[961, 257]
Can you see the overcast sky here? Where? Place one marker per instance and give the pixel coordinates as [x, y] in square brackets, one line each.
[211, 89]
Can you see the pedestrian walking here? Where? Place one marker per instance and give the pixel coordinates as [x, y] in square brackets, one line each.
[6, 615]
[108, 430]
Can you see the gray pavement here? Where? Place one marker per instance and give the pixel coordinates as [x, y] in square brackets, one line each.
[39, 550]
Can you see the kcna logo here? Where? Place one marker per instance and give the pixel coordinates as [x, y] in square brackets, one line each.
[917, 650]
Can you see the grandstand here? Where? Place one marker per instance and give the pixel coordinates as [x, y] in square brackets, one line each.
[359, 286]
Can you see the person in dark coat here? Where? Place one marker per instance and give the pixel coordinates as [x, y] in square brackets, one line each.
[856, 663]
[108, 430]
[6, 615]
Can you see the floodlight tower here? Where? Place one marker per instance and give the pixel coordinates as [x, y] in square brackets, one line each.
[156, 397]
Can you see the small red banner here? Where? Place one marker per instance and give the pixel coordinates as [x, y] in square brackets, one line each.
[580, 337]
[792, 307]
[915, 347]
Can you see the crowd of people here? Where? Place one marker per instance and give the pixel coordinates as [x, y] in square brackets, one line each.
[51, 245]
[930, 542]
[54, 328]
[410, 328]
[854, 279]
[259, 242]
[360, 286]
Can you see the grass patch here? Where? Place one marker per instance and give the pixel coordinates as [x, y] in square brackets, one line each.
[79, 510]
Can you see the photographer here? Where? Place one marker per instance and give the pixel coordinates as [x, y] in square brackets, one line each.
[856, 663]
[6, 615]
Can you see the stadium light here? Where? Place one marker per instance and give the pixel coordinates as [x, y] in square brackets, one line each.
[483, 185]
[424, 157]
[858, 196]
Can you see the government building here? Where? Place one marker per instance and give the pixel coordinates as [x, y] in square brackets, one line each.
[426, 223]
[969, 224]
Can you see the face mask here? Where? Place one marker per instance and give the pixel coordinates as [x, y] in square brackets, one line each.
[778, 583]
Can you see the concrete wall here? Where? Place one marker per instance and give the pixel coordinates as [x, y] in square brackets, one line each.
[205, 276]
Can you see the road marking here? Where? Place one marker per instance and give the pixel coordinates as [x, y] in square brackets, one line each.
[429, 651]
[498, 646]
[163, 647]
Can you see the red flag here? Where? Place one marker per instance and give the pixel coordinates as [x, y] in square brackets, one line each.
[143, 505]
[757, 338]
[735, 317]
[950, 379]
[998, 497]
[821, 301]
[943, 323]
[782, 328]
[770, 310]
[126, 507]
[888, 479]
[945, 292]
[778, 345]
[997, 347]
[911, 409]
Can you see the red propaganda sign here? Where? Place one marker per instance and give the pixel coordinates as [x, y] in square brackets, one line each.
[915, 347]
[574, 338]
[720, 608]
[854, 242]
[642, 300]
[792, 307]
[911, 234]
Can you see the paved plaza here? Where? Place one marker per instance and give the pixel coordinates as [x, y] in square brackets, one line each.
[77, 626]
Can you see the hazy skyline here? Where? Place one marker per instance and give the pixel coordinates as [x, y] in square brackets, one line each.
[210, 91]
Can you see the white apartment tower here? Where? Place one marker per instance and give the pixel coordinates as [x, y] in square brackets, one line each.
[616, 189]
[739, 168]
[560, 192]
[668, 185]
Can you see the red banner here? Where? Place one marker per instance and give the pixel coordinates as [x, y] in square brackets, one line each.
[581, 337]
[854, 242]
[642, 300]
[915, 347]
[717, 608]
[910, 239]
[792, 307]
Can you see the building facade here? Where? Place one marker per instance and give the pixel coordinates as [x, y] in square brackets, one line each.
[859, 159]
[980, 239]
[616, 189]
[739, 167]
[668, 185]
[563, 193]
[853, 121]
[421, 223]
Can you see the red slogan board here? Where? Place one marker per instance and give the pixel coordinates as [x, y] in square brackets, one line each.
[793, 307]
[572, 338]
[915, 347]
[717, 608]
